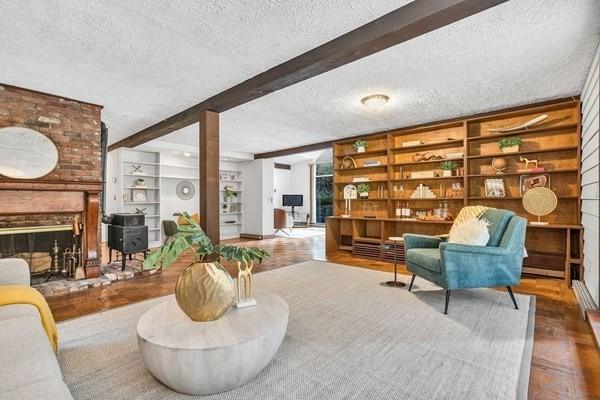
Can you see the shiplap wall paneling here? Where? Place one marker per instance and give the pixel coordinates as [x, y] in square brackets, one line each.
[590, 208]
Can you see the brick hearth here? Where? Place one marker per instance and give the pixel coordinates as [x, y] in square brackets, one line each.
[110, 273]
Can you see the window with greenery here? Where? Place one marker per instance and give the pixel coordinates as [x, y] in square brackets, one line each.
[323, 191]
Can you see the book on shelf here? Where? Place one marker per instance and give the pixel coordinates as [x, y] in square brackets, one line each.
[422, 174]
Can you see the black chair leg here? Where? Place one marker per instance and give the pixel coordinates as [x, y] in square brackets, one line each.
[512, 296]
[447, 301]
[412, 280]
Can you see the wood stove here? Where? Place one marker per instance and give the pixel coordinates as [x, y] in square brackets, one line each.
[127, 234]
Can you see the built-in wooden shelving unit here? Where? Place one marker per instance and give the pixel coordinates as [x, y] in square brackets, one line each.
[472, 143]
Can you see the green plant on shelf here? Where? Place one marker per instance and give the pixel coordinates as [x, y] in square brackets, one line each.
[448, 165]
[363, 189]
[230, 194]
[509, 142]
[360, 145]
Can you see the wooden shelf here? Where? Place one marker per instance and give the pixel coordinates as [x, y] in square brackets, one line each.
[426, 162]
[553, 171]
[513, 198]
[367, 239]
[140, 162]
[359, 168]
[358, 183]
[558, 149]
[426, 179]
[522, 132]
[372, 199]
[365, 153]
[500, 154]
[431, 199]
[428, 145]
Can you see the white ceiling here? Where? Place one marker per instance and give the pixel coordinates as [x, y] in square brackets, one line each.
[146, 60]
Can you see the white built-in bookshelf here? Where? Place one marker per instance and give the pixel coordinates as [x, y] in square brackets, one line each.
[139, 190]
[231, 199]
[157, 198]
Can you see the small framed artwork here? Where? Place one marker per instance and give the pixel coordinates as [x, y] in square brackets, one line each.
[126, 197]
[527, 182]
[494, 188]
[139, 195]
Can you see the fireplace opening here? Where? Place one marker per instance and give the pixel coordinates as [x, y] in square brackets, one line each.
[50, 251]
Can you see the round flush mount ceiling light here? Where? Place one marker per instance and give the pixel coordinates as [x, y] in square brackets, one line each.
[187, 154]
[375, 101]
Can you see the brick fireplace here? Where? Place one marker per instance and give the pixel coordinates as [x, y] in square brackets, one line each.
[72, 189]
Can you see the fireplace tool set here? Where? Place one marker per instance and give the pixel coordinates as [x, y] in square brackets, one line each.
[72, 258]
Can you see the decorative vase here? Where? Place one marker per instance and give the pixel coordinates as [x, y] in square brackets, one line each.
[447, 172]
[511, 149]
[205, 291]
[364, 195]
[361, 149]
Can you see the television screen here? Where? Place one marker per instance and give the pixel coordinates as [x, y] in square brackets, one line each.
[292, 200]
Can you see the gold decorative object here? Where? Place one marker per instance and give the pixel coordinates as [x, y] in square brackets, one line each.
[348, 162]
[245, 278]
[539, 201]
[205, 291]
[499, 164]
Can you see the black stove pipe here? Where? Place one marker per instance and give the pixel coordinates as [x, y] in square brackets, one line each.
[103, 153]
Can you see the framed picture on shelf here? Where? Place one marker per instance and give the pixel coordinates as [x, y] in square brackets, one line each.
[139, 195]
[126, 197]
[494, 188]
[527, 182]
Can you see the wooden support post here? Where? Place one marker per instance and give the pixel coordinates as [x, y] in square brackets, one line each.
[209, 175]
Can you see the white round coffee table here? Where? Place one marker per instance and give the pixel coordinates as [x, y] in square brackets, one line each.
[209, 357]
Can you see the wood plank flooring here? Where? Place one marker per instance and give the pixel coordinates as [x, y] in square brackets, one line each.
[565, 365]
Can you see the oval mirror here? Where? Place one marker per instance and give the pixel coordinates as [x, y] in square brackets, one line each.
[26, 154]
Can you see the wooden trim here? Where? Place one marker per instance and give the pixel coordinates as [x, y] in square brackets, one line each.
[255, 237]
[405, 23]
[406, 129]
[25, 202]
[50, 185]
[209, 174]
[90, 235]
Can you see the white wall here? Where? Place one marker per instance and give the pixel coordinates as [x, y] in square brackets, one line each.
[281, 184]
[589, 179]
[258, 177]
[293, 181]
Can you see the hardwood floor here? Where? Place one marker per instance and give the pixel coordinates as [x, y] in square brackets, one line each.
[565, 365]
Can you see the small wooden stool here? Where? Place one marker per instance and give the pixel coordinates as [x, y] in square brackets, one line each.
[395, 283]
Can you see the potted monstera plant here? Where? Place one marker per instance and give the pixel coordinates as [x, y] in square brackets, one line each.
[205, 290]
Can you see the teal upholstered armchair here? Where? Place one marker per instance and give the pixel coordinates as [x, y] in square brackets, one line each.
[458, 266]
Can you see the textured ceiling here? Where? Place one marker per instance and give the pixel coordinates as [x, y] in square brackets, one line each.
[146, 60]
[520, 52]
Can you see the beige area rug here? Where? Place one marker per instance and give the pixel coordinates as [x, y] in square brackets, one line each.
[348, 338]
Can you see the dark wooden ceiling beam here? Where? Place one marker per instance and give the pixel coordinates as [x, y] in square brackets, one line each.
[405, 23]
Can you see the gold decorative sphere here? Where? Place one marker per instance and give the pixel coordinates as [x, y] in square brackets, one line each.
[205, 291]
[499, 164]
